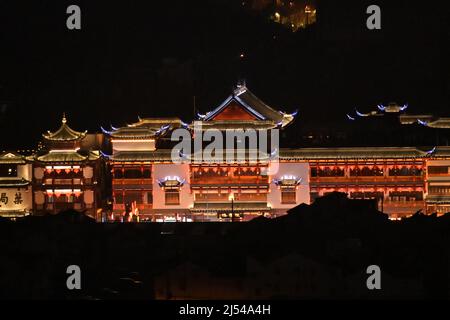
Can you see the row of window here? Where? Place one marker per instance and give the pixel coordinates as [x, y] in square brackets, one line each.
[366, 195]
[132, 174]
[393, 195]
[406, 195]
[224, 197]
[315, 172]
[438, 170]
[365, 172]
[327, 172]
[172, 197]
[131, 197]
[402, 172]
[288, 196]
[63, 199]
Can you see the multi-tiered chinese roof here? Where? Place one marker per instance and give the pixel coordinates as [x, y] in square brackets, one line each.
[64, 133]
[242, 109]
[63, 146]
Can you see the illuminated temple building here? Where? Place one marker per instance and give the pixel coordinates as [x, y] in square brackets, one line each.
[401, 180]
[66, 173]
[143, 172]
[146, 185]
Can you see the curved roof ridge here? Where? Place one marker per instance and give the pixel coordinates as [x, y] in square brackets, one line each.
[254, 105]
[64, 133]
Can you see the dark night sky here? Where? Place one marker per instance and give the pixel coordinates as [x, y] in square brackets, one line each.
[137, 58]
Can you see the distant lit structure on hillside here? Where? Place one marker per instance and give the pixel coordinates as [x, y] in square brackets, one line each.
[294, 14]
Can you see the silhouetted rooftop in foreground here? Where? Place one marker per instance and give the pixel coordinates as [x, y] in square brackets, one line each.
[335, 239]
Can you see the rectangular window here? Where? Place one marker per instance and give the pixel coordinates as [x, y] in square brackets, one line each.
[8, 170]
[118, 198]
[288, 196]
[62, 198]
[406, 196]
[172, 197]
[405, 171]
[255, 197]
[131, 197]
[149, 198]
[207, 197]
[133, 174]
[366, 195]
[330, 172]
[366, 172]
[147, 174]
[438, 170]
